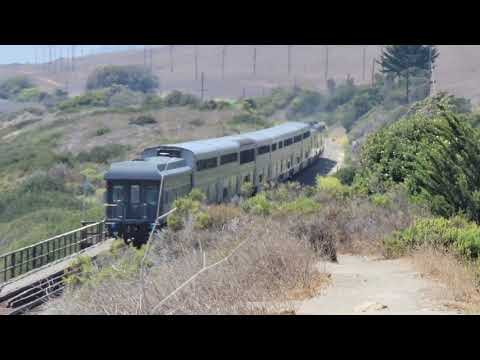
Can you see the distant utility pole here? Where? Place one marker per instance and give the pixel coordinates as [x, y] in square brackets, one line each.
[373, 72]
[224, 54]
[326, 62]
[289, 59]
[144, 56]
[171, 58]
[151, 58]
[254, 60]
[202, 89]
[432, 79]
[243, 93]
[364, 51]
[73, 58]
[49, 59]
[196, 61]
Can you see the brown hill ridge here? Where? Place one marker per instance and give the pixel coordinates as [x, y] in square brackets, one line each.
[457, 71]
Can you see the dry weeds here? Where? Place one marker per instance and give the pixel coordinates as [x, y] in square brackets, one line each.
[460, 278]
[259, 261]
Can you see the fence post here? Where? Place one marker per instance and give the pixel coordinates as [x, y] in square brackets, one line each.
[12, 269]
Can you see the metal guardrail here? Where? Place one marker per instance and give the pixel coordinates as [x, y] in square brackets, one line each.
[21, 261]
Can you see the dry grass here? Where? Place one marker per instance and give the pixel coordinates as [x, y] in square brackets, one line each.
[460, 278]
[264, 263]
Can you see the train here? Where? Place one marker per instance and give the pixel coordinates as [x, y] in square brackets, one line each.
[140, 191]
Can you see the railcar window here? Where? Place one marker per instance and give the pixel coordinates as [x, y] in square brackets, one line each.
[151, 195]
[263, 149]
[247, 156]
[229, 158]
[288, 142]
[274, 147]
[207, 164]
[117, 194]
[135, 194]
[297, 138]
[306, 135]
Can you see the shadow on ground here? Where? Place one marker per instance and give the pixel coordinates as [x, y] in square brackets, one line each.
[322, 167]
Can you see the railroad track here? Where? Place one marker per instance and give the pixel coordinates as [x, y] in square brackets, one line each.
[28, 297]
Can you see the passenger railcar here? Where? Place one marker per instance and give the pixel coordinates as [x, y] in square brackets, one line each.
[139, 191]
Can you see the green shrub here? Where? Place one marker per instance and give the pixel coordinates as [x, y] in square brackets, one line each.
[197, 195]
[142, 120]
[456, 233]
[247, 189]
[258, 205]
[177, 98]
[98, 98]
[188, 206]
[136, 78]
[10, 88]
[332, 186]
[153, 102]
[30, 95]
[103, 131]
[103, 154]
[381, 200]
[346, 175]
[302, 205]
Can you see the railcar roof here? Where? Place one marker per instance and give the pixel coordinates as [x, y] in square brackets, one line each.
[148, 169]
[233, 142]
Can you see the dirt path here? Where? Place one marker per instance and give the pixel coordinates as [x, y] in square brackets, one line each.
[362, 285]
[330, 161]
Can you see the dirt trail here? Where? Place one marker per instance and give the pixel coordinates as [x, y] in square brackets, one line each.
[362, 285]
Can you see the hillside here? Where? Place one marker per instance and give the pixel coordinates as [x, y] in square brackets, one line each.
[457, 70]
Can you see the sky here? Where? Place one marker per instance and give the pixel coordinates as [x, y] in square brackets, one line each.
[10, 54]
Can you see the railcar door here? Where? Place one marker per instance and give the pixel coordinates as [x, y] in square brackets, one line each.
[135, 208]
[151, 201]
[118, 200]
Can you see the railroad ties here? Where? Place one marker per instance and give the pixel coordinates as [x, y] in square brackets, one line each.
[34, 274]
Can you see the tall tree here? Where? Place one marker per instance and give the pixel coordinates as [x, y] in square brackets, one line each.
[404, 60]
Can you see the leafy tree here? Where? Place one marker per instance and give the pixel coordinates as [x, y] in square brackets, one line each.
[407, 60]
[449, 174]
[13, 86]
[136, 78]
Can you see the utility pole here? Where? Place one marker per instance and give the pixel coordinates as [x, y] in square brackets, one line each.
[73, 58]
[326, 63]
[224, 54]
[373, 72]
[202, 89]
[432, 79]
[49, 59]
[254, 60]
[364, 61]
[171, 58]
[289, 59]
[151, 58]
[196, 61]
[144, 56]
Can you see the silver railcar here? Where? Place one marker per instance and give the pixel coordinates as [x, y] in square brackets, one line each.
[139, 191]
